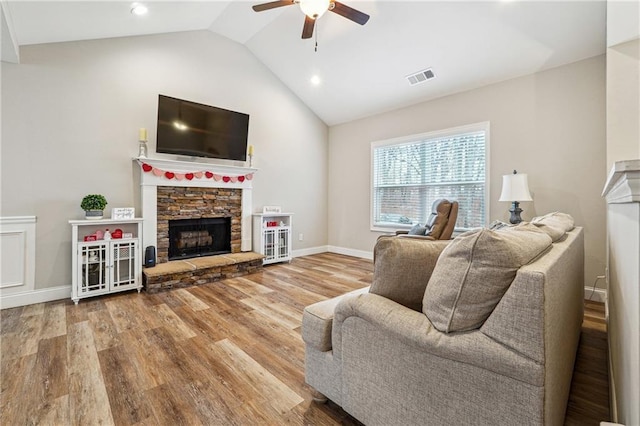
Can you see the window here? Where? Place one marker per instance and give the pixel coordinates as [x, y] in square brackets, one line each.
[410, 173]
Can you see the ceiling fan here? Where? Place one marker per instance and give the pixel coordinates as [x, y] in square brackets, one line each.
[314, 9]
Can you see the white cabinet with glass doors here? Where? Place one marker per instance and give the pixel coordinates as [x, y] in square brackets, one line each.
[105, 266]
[272, 236]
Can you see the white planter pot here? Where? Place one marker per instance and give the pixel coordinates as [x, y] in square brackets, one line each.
[93, 214]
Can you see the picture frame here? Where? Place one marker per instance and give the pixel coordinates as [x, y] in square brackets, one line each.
[271, 209]
[123, 213]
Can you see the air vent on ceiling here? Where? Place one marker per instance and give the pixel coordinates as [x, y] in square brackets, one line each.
[421, 76]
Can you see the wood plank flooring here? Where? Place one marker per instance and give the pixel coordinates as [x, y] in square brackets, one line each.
[589, 396]
[225, 353]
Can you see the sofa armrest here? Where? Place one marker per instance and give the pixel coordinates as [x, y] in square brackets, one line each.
[544, 297]
[415, 330]
[405, 234]
[317, 321]
[418, 237]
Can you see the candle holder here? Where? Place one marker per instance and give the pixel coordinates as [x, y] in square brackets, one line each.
[142, 151]
[250, 160]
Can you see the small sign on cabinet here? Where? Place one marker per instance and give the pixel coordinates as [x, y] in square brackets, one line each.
[123, 213]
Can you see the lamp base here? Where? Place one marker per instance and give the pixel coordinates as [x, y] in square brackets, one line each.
[515, 213]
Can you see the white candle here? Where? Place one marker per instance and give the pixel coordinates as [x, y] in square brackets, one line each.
[250, 152]
[142, 134]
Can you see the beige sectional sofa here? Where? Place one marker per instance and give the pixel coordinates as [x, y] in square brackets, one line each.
[390, 358]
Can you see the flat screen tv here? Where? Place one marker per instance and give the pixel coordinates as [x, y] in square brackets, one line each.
[189, 128]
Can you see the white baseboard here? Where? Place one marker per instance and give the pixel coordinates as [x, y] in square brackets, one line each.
[35, 296]
[599, 294]
[309, 251]
[333, 249]
[351, 252]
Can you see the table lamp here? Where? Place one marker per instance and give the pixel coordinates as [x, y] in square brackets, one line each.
[515, 188]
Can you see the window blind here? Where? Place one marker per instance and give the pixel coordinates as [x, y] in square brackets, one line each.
[409, 176]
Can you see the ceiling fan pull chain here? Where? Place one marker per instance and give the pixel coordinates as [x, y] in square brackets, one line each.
[316, 34]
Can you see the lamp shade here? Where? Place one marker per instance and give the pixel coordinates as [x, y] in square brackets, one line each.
[515, 187]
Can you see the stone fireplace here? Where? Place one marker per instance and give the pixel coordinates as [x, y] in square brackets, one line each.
[216, 194]
[194, 214]
[213, 202]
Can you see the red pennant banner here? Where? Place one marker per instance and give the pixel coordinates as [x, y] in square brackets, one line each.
[194, 175]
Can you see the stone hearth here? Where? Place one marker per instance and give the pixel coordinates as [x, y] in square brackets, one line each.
[201, 270]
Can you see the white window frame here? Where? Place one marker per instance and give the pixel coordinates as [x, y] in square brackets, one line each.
[475, 127]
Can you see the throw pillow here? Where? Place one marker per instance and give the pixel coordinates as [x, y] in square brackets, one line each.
[473, 273]
[402, 268]
[417, 230]
[554, 224]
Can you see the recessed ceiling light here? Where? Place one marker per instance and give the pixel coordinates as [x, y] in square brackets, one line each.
[139, 9]
[315, 80]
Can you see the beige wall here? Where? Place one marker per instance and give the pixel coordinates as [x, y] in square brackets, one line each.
[70, 119]
[623, 102]
[550, 125]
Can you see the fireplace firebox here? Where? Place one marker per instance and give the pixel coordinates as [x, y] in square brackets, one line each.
[199, 237]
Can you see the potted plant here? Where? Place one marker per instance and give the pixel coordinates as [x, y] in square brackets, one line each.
[93, 206]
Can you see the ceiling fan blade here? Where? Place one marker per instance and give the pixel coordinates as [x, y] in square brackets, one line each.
[350, 13]
[309, 24]
[272, 5]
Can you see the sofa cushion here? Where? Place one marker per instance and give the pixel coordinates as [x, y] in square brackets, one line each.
[555, 224]
[402, 268]
[473, 273]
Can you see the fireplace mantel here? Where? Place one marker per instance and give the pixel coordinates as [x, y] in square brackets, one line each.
[222, 176]
[184, 167]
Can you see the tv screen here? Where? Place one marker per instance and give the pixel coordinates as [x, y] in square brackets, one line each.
[189, 128]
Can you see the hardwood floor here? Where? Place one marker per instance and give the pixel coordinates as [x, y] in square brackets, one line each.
[589, 397]
[228, 352]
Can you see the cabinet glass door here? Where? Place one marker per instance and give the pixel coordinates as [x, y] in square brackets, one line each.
[123, 256]
[283, 243]
[269, 244]
[93, 267]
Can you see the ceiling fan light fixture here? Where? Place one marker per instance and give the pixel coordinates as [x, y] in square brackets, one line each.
[314, 8]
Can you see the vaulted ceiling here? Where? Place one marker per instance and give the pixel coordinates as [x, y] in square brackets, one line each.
[361, 69]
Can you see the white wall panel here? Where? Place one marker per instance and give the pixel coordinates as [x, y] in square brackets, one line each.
[17, 253]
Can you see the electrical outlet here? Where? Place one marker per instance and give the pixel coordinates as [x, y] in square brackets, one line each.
[300, 237]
